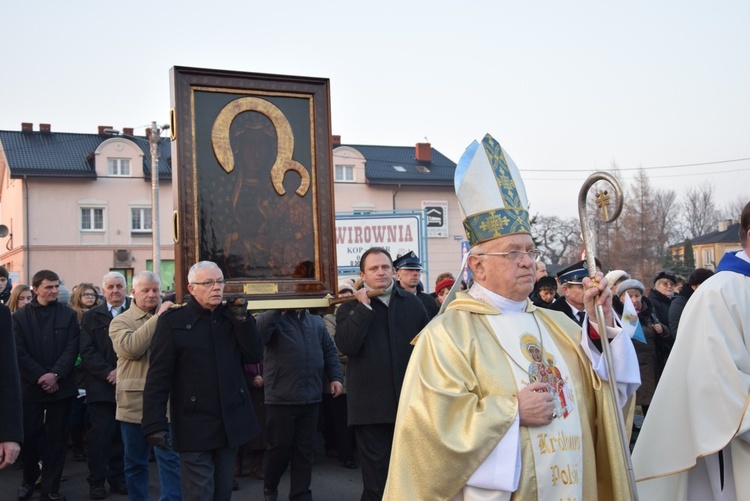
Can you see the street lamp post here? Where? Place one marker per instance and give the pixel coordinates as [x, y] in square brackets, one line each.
[154, 141]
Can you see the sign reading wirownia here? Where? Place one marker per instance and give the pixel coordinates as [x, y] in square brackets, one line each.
[354, 236]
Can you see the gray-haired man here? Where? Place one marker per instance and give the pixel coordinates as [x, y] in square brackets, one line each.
[196, 364]
[99, 362]
[131, 335]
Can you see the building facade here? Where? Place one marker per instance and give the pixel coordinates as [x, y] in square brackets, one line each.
[80, 204]
[395, 178]
[708, 249]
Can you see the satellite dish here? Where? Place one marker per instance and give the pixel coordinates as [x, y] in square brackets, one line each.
[3, 231]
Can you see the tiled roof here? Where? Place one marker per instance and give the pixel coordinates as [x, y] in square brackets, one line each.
[728, 236]
[380, 161]
[65, 154]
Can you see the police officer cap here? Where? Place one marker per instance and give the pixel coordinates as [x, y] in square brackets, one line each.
[408, 261]
[573, 274]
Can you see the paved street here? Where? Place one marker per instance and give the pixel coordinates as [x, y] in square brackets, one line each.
[330, 482]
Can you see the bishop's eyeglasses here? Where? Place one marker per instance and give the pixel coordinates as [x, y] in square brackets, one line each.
[515, 256]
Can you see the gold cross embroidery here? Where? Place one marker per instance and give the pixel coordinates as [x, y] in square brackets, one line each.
[494, 223]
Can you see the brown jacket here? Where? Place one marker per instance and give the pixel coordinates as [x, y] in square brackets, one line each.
[131, 333]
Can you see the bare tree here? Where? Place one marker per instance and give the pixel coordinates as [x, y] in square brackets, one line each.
[647, 227]
[557, 237]
[733, 208]
[699, 212]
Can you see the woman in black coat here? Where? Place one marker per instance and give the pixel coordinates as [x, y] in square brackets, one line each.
[696, 278]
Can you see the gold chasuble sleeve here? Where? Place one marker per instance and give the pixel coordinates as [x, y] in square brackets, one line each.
[459, 398]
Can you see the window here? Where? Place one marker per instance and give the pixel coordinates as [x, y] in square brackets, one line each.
[92, 219]
[140, 219]
[344, 173]
[708, 257]
[118, 166]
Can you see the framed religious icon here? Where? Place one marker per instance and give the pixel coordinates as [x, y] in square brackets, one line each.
[253, 190]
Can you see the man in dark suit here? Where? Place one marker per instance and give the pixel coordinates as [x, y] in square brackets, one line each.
[99, 362]
[11, 413]
[196, 359]
[571, 301]
[376, 334]
[47, 347]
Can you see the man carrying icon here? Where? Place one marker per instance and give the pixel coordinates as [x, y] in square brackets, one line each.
[196, 359]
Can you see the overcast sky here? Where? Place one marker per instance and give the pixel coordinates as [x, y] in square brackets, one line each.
[566, 87]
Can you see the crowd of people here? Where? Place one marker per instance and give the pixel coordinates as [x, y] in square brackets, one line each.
[496, 389]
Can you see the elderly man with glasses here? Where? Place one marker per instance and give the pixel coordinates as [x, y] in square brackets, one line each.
[501, 399]
[196, 359]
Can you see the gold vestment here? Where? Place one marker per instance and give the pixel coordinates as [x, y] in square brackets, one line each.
[459, 399]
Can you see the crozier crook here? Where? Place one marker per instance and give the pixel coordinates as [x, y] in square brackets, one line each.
[285, 141]
[602, 201]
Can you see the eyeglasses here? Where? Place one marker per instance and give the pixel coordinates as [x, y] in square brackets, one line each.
[88, 294]
[210, 283]
[515, 256]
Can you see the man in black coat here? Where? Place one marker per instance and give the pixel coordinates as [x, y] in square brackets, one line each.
[196, 359]
[47, 347]
[298, 353]
[11, 412]
[376, 334]
[99, 362]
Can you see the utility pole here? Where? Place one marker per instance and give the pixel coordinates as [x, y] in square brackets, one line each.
[154, 141]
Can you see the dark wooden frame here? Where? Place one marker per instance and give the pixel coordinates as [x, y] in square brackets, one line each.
[191, 84]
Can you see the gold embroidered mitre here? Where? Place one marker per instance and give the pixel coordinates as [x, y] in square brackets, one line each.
[491, 193]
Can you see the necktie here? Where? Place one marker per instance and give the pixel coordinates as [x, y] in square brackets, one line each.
[581, 315]
[115, 311]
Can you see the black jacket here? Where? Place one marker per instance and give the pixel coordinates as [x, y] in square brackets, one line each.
[560, 304]
[196, 358]
[297, 351]
[98, 357]
[377, 342]
[431, 306]
[11, 411]
[677, 305]
[648, 353]
[43, 350]
[661, 305]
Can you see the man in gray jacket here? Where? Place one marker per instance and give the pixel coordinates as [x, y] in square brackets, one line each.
[298, 350]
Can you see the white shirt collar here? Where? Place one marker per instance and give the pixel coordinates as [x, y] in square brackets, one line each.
[507, 306]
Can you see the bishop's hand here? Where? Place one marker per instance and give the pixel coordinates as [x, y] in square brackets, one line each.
[597, 292]
[536, 406]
